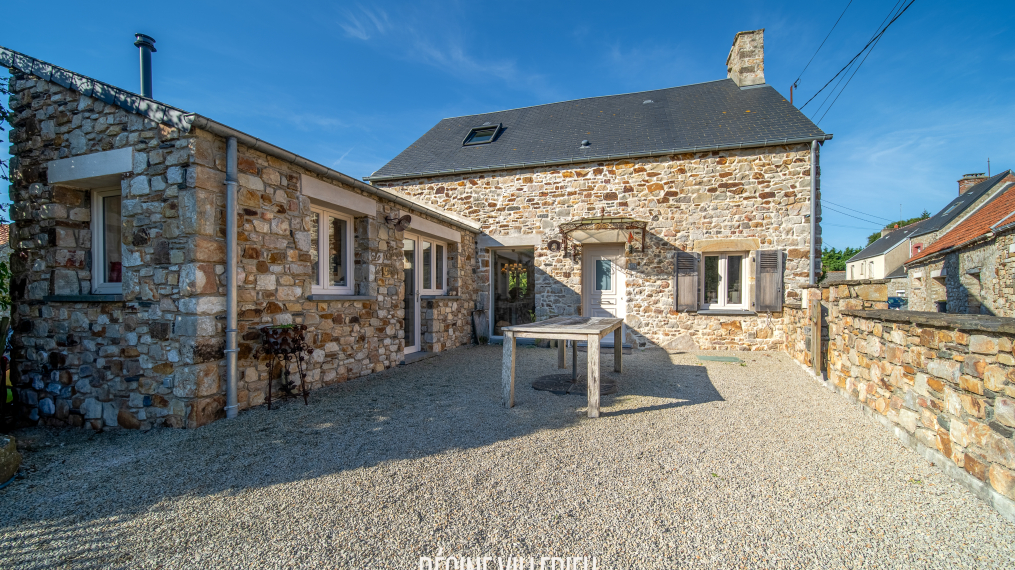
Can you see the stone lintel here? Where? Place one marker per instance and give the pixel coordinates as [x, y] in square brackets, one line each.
[95, 170]
[485, 241]
[726, 244]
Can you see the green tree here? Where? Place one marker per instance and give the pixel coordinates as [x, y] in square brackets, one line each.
[834, 259]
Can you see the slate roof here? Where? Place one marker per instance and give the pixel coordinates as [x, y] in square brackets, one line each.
[999, 211]
[890, 241]
[707, 116]
[956, 207]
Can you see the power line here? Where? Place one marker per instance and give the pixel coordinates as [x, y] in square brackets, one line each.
[850, 64]
[857, 56]
[857, 211]
[852, 216]
[858, 66]
[823, 42]
[846, 226]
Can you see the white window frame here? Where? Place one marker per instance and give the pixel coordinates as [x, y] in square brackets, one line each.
[97, 224]
[323, 252]
[433, 265]
[722, 304]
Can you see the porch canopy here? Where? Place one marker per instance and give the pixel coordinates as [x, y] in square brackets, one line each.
[604, 229]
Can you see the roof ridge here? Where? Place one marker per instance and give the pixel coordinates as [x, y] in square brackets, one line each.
[593, 97]
[91, 87]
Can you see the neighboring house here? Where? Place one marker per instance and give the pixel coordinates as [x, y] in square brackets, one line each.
[121, 278]
[974, 191]
[685, 211]
[886, 255]
[971, 268]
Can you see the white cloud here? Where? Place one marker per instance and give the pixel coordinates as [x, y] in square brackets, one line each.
[366, 23]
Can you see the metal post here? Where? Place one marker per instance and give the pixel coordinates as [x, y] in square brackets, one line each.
[146, 45]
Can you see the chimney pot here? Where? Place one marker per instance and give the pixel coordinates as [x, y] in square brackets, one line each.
[746, 62]
[969, 180]
[146, 45]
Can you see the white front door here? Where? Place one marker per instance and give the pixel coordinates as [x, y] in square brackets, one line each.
[605, 293]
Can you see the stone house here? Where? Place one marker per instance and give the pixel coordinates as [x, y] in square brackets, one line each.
[971, 268]
[975, 190]
[687, 211]
[128, 309]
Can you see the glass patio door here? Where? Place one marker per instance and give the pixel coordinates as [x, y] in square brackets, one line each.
[411, 295]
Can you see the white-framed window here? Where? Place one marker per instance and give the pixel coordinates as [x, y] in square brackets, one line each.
[724, 281]
[331, 252]
[107, 256]
[433, 265]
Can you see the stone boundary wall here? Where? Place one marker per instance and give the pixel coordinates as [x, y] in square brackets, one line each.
[944, 384]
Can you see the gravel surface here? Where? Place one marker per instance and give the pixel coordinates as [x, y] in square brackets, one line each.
[694, 464]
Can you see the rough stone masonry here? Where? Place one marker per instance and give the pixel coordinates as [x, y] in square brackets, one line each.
[155, 355]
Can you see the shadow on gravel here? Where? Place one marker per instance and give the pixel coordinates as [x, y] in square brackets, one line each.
[85, 481]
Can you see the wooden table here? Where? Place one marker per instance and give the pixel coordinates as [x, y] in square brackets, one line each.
[574, 329]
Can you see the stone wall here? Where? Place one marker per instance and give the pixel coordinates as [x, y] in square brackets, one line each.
[977, 279]
[156, 356]
[760, 193]
[799, 324]
[944, 384]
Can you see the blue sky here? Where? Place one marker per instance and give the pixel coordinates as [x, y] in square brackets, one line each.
[350, 85]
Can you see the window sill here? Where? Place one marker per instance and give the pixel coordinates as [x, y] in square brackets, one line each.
[740, 312]
[329, 297]
[436, 297]
[108, 298]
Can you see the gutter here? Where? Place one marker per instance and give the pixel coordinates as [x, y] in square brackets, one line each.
[257, 144]
[584, 159]
[815, 188]
[231, 349]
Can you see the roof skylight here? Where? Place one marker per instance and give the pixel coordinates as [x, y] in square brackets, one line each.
[482, 135]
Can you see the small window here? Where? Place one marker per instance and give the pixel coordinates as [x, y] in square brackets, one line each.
[331, 252]
[482, 135]
[723, 281]
[433, 272]
[604, 275]
[107, 260]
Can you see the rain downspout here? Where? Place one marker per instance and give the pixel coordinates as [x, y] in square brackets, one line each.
[815, 188]
[231, 348]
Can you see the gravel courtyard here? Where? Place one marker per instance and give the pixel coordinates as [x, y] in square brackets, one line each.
[694, 464]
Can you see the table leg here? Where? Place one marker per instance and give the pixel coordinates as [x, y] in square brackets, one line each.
[574, 361]
[618, 349]
[593, 375]
[508, 369]
[561, 357]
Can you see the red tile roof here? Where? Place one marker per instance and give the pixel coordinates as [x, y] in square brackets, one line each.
[977, 225]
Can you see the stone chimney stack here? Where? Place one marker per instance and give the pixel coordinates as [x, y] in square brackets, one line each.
[746, 62]
[970, 180]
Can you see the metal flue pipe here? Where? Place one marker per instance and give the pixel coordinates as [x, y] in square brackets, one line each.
[815, 189]
[231, 309]
[146, 45]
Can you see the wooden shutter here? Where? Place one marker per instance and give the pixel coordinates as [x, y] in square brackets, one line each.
[768, 280]
[685, 293]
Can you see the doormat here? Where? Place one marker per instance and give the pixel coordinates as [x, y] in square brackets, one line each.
[719, 358]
